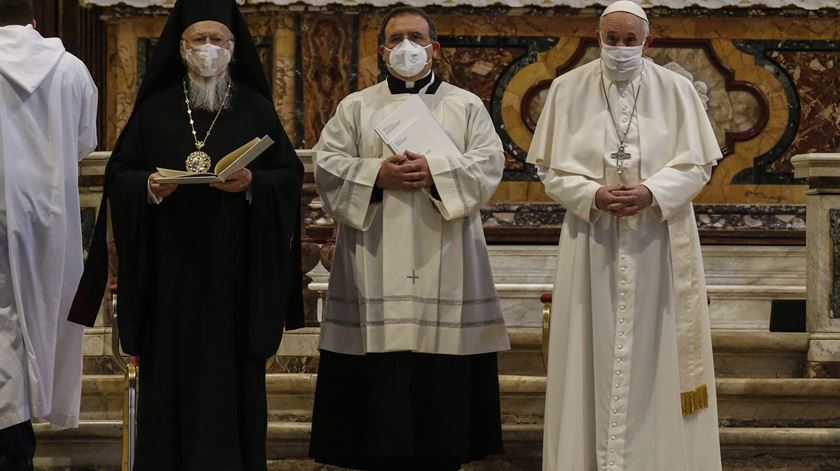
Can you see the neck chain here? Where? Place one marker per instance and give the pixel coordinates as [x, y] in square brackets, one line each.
[620, 156]
[199, 161]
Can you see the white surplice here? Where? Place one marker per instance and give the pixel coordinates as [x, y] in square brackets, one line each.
[613, 394]
[410, 273]
[48, 102]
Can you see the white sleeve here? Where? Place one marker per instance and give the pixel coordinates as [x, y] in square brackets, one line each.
[674, 187]
[465, 182]
[575, 192]
[87, 115]
[345, 179]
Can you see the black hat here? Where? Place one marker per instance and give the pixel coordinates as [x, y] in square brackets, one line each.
[166, 67]
[194, 11]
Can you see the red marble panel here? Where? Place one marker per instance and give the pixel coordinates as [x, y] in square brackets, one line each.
[327, 50]
[816, 75]
[478, 69]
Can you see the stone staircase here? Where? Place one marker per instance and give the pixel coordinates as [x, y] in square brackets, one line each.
[771, 417]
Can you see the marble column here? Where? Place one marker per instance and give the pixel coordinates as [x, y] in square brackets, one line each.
[310, 250]
[823, 271]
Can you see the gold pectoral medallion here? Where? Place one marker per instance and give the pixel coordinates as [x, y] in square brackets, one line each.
[198, 162]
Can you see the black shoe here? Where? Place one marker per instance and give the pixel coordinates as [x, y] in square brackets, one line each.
[12, 464]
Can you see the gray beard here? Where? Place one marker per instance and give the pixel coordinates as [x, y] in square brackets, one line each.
[209, 93]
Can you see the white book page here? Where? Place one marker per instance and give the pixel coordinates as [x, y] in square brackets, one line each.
[229, 164]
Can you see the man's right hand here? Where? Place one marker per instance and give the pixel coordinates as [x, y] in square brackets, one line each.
[161, 190]
[399, 173]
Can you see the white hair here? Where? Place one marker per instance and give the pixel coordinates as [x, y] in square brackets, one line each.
[209, 93]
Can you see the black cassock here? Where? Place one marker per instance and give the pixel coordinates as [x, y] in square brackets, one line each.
[207, 280]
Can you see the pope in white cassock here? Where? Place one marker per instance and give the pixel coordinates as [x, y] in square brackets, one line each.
[48, 103]
[625, 145]
[408, 373]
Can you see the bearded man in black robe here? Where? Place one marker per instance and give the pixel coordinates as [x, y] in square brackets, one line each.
[208, 275]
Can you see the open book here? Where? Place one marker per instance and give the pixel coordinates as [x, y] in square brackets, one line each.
[413, 127]
[229, 164]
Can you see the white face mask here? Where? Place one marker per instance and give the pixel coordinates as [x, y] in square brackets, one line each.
[621, 62]
[408, 59]
[208, 60]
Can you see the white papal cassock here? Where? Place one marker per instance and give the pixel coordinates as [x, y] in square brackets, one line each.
[411, 273]
[614, 390]
[48, 102]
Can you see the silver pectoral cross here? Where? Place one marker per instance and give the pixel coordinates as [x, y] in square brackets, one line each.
[413, 277]
[620, 157]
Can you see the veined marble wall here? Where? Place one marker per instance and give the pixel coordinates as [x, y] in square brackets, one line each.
[770, 77]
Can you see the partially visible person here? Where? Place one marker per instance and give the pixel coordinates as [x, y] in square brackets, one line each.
[48, 107]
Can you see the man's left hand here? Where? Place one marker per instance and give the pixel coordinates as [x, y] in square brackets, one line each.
[239, 181]
[642, 199]
[427, 180]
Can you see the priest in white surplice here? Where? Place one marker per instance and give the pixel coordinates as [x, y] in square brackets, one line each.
[48, 103]
[407, 376]
[625, 145]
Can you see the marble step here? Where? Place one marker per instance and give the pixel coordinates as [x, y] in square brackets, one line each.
[759, 354]
[738, 353]
[778, 402]
[95, 446]
[754, 402]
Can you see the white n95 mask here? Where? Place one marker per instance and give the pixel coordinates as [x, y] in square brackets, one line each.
[621, 62]
[408, 59]
[208, 60]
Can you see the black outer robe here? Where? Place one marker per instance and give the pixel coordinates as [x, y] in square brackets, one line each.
[204, 282]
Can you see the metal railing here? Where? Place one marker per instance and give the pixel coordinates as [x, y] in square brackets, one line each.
[131, 384]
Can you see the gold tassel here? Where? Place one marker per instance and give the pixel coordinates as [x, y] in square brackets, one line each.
[695, 401]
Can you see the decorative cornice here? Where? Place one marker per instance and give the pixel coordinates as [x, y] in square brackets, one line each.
[816, 165]
[674, 4]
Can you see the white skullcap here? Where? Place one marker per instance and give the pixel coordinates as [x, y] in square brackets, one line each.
[626, 6]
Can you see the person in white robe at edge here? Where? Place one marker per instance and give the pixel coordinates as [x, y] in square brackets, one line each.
[408, 373]
[625, 145]
[48, 102]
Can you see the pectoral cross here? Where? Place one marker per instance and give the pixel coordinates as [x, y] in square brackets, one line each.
[413, 277]
[620, 157]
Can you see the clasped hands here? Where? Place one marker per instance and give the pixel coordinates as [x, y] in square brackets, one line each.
[405, 172]
[623, 200]
[237, 182]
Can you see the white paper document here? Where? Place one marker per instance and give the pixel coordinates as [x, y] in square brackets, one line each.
[412, 127]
